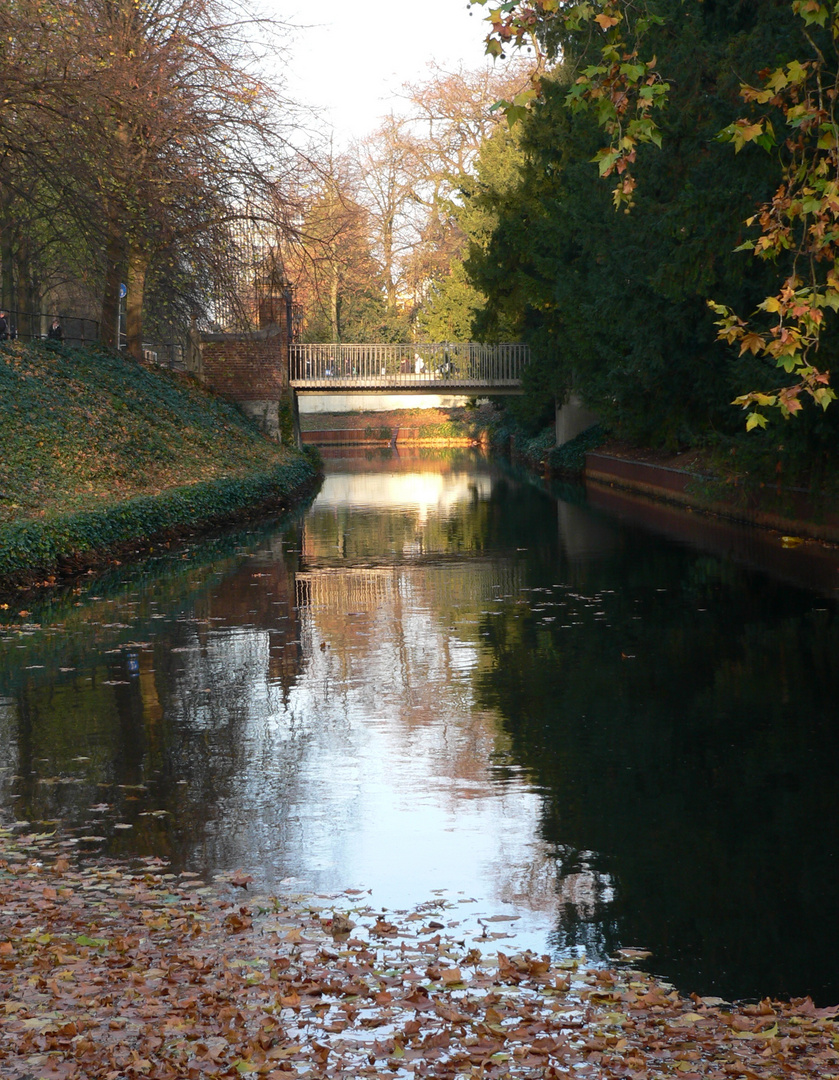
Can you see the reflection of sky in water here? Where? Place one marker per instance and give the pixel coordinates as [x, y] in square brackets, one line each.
[393, 786]
[374, 770]
[420, 492]
[314, 712]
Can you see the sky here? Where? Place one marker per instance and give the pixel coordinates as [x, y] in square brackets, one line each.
[349, 58]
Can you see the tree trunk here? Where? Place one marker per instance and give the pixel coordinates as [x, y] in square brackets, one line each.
[388, 266]
[333, 304]
[23, 291]
[114, 261]
[7, 295]
[35, 306]
[138, 264]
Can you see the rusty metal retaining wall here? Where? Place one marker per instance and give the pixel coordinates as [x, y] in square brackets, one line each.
[787, 510]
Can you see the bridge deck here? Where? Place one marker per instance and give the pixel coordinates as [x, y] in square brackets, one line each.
[446, 368]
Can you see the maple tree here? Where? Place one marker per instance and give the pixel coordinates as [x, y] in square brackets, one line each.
[799, 226]
[147, 123]
[40, 85]
[388, 169]
[604, 41]
[336, 278]
[166, 180]
[625, 89]
[376, 229]
[450, 116]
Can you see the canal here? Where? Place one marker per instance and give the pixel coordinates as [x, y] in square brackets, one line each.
[593, 725]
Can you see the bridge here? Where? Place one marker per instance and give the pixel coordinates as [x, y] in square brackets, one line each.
[447, 368]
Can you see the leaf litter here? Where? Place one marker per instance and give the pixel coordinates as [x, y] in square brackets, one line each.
[110, 971]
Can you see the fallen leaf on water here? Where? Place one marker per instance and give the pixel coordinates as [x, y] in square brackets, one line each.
[766, 1033]
[341, 924]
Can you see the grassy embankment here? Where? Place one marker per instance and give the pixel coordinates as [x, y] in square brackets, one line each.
[464, 426]
[485, 425]
[99, 453]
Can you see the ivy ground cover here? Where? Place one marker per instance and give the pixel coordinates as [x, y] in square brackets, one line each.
[99, 453]
[80, 428]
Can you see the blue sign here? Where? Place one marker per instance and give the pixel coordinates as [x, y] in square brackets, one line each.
[123, 291]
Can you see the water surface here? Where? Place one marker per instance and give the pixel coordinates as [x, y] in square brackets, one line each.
[443, 680]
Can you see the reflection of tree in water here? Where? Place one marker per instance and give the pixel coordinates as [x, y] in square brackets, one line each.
[678, 713]
[401, 516]
[145, 716]
[402, 639]
[673, 711]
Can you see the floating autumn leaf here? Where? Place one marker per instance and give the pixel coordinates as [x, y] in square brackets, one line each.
[763, 1033]
[341, 924]
[237, 921]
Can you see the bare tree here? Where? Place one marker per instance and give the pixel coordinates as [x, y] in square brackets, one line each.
[149, 119]
[336, 278]
[451, 113]
[411, 168]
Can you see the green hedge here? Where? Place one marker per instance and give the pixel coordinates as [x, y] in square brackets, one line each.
[571, 457]
[30, 548]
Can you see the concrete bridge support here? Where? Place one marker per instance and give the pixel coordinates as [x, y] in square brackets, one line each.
[295, 418]
[572, 418]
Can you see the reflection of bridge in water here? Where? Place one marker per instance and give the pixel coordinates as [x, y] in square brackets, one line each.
[447, 368]
[447, 585]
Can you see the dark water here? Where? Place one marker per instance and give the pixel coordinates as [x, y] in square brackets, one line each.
[441, 677]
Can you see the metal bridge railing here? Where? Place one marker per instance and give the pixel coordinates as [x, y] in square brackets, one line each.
[408, 365]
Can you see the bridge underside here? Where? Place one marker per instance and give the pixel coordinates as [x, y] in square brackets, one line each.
[469, 369]
[405, 385]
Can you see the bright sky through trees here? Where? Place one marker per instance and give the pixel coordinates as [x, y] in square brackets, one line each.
[349, 60]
